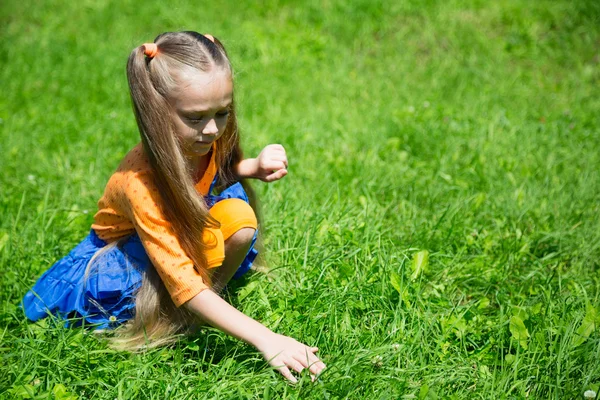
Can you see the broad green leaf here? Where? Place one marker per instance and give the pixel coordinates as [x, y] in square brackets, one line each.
[483, 303]
[484, 372]
[510, 359]
[588, 325]
[420, 262]
[535, 309]
[427, 393]
[520, 312]
[458, 325]
[193, 346]
[59, 390]
[23, 391]
[519, 331]
[395, 279]
[423, 391]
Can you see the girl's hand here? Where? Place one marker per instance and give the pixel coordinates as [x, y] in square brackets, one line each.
[270, 165]
[281, 352]
[285, 353]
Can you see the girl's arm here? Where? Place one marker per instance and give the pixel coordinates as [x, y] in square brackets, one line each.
[280, 351]
[270, 165]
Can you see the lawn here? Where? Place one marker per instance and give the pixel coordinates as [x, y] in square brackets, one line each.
[438, 234]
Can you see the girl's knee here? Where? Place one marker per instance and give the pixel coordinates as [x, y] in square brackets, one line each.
[241, 237]
[234, 214]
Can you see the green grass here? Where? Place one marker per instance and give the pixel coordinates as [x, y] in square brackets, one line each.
[467, 129]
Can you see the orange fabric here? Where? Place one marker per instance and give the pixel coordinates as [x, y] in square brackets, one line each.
[233, 214]
[131, 203]
[150, 49]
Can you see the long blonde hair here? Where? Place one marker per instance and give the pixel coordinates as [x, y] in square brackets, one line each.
[157, 319]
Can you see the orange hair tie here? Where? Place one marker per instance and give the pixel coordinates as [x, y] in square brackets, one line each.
[150, 49]
[209, 37]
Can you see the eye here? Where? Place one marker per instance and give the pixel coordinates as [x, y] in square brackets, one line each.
[195, 120]
[222, 114]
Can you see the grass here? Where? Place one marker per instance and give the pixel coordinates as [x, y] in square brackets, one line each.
[438, 235]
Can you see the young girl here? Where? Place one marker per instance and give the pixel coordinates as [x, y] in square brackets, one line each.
[162, 245]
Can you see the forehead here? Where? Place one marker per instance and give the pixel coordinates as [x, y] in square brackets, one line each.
[202, 91]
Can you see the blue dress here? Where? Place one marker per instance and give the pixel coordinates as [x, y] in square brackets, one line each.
[106, 298]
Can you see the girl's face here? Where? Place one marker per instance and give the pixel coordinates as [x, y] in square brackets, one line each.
[200, 107]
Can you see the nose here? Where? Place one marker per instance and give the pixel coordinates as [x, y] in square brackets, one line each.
[211, 127]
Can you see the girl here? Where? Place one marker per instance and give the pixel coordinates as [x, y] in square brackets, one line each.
[162, 245]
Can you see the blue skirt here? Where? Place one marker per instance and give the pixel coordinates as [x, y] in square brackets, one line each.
[104, 298]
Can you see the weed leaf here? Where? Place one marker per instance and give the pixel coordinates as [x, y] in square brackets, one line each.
[419, 263]
[60, 393]
[519, 331]
[588, 325]
[395, 279]
[23, 391]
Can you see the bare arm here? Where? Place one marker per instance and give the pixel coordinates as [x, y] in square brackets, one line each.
[270, 165]
[280, 351]
[220, 314]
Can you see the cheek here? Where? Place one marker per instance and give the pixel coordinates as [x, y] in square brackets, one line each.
[183, 131]
[221, 126]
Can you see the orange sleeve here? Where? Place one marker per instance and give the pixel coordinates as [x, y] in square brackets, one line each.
[171, 262]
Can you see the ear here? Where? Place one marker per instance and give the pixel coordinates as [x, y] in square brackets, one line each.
[209, 37]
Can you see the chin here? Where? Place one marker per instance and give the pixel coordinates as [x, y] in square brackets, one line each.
[195, 153]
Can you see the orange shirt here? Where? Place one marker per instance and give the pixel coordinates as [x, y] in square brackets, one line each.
[131, 203]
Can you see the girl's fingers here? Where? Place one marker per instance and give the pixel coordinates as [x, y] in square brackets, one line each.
[281, 158]
[303, 359]
[274, 165]
[316, 365]
[319, 367]
[287, 374]
[315, 369]
[280, 152]
[276, 175]
[275, 151]
[310, 361]
[296, 366]
[272, 149]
